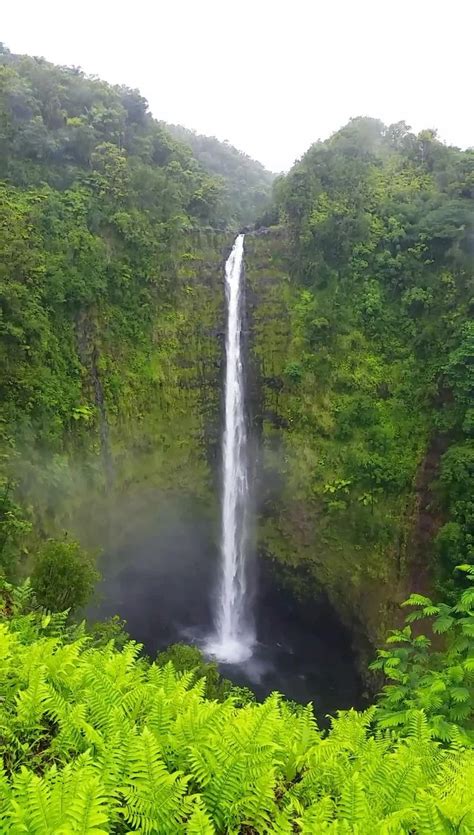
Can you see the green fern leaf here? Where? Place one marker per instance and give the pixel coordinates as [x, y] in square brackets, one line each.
[352, 805]
[316, 816]
[417, 600]
[429, 819]
[200, 823]
[442, 624]
[460, 694]
[154, 798]
[88, 813]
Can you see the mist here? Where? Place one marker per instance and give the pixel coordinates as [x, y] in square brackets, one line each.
[307, 68]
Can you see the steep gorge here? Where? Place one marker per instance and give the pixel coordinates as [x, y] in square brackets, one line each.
[359, 344]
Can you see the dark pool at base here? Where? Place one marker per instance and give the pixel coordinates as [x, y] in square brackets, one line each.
[161, 585]
[301, 651]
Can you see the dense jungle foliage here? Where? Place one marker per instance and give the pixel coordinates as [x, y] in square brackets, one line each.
[105, 233]
[362, 321]
[99, 740]
[247, 183]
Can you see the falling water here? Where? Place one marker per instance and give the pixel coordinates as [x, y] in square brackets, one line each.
[234, 636]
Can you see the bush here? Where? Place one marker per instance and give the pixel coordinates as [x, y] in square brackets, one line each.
[110, 629]
[294, 372]
[64, 575]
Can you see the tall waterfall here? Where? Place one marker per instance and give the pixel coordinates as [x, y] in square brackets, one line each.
[234, 636]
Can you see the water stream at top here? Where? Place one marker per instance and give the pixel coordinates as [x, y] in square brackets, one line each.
[234, 635]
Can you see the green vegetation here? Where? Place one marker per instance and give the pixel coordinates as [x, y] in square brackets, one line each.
[440, 682]
[246, 183]
[111, 303]
[112, 237]
[98, 740]
[58, 126]
[184, 657]
[363, 295]
[109, 292]
[64, 576]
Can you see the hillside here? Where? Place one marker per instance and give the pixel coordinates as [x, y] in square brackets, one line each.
[247, 184]
[362, 335]
[55, 120]
[110, 271]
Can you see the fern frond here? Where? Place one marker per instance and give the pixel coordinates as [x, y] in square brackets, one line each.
[35, 804]
[88, 813]
[316, 816]
[200, 823]
[22, 597]
[31, 702]
[352, 804]
[429, 819]
[256, 808]
[154, 797]
[418, 727]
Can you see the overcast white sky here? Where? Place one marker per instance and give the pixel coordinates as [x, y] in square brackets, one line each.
[271, 77]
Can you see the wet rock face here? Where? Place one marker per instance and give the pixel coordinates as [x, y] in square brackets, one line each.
[315, 543]
[153, 426]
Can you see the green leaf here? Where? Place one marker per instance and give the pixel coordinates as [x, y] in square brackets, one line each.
[200, 823]
[443, 624]
[459, 694]
[417, 600]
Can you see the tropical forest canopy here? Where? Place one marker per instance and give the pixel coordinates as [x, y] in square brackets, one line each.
[362, 281]
[247, 184]
[113, 230]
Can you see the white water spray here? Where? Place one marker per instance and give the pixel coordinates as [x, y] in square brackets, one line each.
[235, 635]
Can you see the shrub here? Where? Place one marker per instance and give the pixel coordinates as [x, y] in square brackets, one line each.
[64, 575]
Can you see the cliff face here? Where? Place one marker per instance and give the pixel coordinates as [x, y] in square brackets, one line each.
[137, 474]
[111, 310]
[314, 531]
[362, 348]
[148, 429]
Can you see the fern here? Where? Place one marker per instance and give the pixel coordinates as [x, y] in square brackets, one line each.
[402, 775]
[89, 810]
[429, 819]
[34, 813]
[97, 740]
[200, 823]
[352, 805]
[22, 597]
[257, 808]
[154, 798]
[316, 816]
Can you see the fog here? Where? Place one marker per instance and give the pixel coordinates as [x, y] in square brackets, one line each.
[160, 575]
[270, 78]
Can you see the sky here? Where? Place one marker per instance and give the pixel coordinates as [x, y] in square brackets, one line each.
[270, 77]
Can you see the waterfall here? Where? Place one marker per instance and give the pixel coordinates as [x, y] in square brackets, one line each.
[234, 635]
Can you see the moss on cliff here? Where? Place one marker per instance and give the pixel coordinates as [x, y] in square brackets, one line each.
[318, 410]
[149, 416]
[363, 346]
